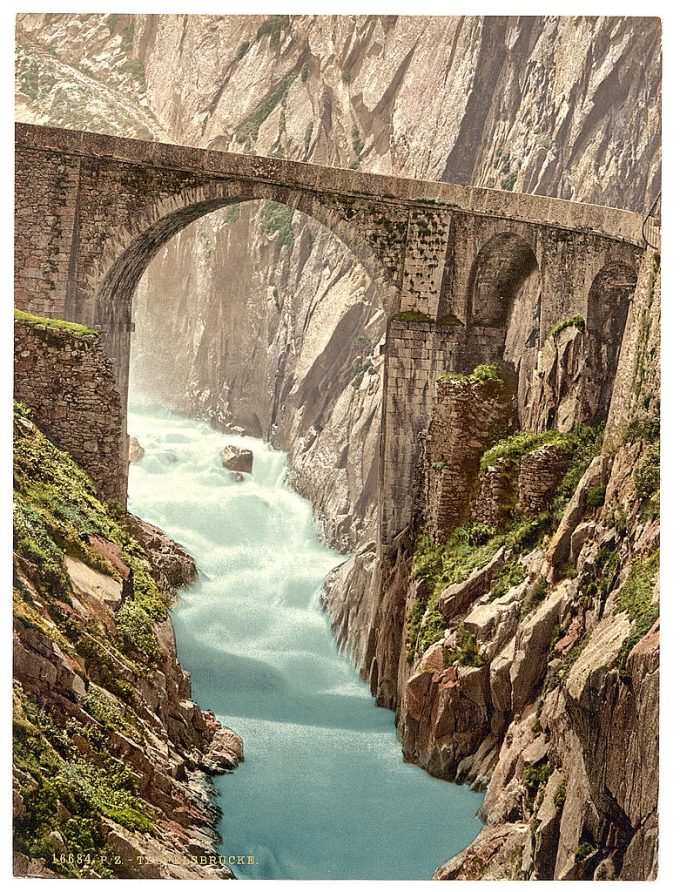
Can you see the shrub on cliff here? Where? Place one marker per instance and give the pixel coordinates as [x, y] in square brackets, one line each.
[516, 446]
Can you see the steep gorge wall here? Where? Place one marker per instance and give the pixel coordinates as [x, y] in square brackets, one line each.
[242, 310]
[527, 662]
[111, 755]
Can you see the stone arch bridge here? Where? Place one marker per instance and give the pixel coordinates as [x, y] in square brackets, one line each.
[468, 275]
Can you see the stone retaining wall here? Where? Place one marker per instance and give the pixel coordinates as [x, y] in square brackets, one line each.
[67, 380]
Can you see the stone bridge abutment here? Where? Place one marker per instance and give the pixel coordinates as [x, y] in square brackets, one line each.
[467, 275]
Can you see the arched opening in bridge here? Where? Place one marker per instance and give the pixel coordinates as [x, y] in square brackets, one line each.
[258, 317]
[504, 297]
[607, 313]
[503, 306]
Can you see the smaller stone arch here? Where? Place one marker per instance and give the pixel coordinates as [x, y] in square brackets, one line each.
[504, 293]
[608, 302]
[607, 313]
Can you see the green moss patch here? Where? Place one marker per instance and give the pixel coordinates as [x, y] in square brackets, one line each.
[412, 316]
[576, 321]
[636, 599]
[482, 373]
[59, 324]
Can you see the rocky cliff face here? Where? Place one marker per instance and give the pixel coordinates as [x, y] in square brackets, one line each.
[529, 655]
[111, 756]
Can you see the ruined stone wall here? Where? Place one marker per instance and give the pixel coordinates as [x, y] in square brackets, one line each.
[468, 415]
[496, 495]
[67, 381]
[540, 473]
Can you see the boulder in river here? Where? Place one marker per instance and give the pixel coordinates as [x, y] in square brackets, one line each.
[235, 459]
[136, 450]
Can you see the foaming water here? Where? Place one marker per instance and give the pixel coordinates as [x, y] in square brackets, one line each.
[323, 793]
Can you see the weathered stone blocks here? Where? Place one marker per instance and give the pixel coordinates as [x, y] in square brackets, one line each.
[67, 381]
[468, 416]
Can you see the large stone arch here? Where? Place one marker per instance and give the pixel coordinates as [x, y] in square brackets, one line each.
[128, 252]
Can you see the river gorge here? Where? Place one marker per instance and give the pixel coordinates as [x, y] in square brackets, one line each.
[323, 792]
[432, 611]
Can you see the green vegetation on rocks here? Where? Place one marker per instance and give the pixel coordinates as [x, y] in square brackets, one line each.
[275, 219]
[536, 776]
[636, 599]
[583, 850]
[466, 650]
[412, 316]
[68, 793]
[232, 213]
[272, 27]
[560, 796]
[647, 473]
[432, 629]
[482, 373]
[55, 512]
[516, 446]
[68, 780]
[506, 577]
[451, 561]
[576, 321]
[248, 129]
[59, 324]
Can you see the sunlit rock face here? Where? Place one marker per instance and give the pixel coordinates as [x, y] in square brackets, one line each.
[262, 319]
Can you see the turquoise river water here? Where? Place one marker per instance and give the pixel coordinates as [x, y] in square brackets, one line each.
[323, 792]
